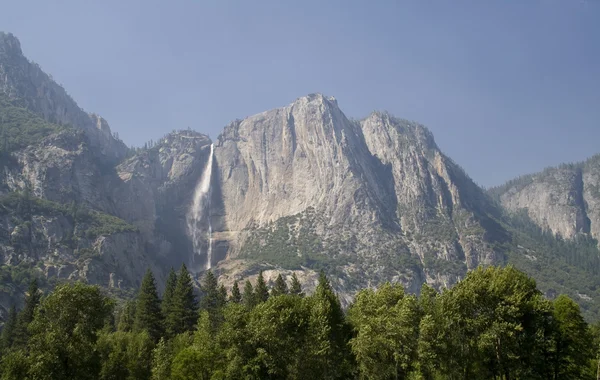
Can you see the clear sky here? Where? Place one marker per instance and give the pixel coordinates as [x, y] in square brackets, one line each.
[507, 87]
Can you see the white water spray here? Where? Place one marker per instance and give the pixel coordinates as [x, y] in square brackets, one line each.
[199, 212]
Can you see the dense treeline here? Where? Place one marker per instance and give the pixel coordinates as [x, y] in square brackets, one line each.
[494, 324]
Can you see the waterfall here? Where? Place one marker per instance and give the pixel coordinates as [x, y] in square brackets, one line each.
[200, 211]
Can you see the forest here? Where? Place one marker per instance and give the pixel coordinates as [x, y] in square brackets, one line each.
[493, 324]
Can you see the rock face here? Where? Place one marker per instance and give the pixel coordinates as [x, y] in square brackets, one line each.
[377, 195]
[75, 202]
[564, 200]
[154, 189]
[25, 82]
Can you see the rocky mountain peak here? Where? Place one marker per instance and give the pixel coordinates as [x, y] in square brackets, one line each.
[25, 82]
[9, 44]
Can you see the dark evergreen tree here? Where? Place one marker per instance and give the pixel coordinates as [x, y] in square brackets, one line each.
[210, 291]
[249, 297]
[573, 342]
[296, 288]
[236, 296]
[262, 291]
[280, 287]
[184, 310]
[222, 296]
[148, 315]
[170, 286]
[212, 301]
[25, 317]
[126, 317]
[8, 331]
[328, 353]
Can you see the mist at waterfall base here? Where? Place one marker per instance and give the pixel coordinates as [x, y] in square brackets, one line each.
[199, 223]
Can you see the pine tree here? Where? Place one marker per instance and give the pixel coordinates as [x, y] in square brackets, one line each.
[148, 316]
[329, 351]
[296, 288]
[126, 317]
[262, 292]
[280, 287]
[26, 315]
[8, 331]
[248, 297]
[170, 286]
[212, 301]
[236, 296]
[222, 296]
[184, 309]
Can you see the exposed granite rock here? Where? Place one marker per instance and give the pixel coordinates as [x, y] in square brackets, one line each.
[378, 194]
[154, 189]
[25, 82]
[564, 200]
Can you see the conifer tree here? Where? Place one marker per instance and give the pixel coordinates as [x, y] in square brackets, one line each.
[26, 315]
[296, 288]
[280, 287]
[184, 309]
[328, 351]
[8, 331]
[126, 317]
[148, 316]
[261, 292]
[213, 300]
[236, 296]
[222, 296]
[210, 300]
[248, 297]
[170, 286]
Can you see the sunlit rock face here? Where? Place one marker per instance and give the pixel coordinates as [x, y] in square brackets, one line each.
[564, 200]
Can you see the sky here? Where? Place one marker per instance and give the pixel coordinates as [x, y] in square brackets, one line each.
[506, 87]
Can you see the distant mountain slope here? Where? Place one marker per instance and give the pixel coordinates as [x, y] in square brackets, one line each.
[564, 200]
[26, 84]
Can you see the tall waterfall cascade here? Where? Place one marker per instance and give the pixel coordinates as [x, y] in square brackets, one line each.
[199, 223]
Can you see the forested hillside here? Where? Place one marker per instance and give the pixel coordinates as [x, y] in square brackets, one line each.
[494, 324]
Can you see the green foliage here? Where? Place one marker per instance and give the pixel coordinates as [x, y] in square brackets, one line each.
[236, 296]
[25, 317]
[296, 288]
[64, 333]
[8, 330]
[494, 324]
[248, 297]
[200, 360]
[20, 127]
[148, 315]
[184, 308]
[14, 365]
[386, 325]
[559, 266]
[125, 355]
[572, 345]
[126, 317]
[280, 287]
[261, 292]
[213, 300]
[170, 285]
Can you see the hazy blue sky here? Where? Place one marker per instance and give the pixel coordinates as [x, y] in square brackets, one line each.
[507, 87]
